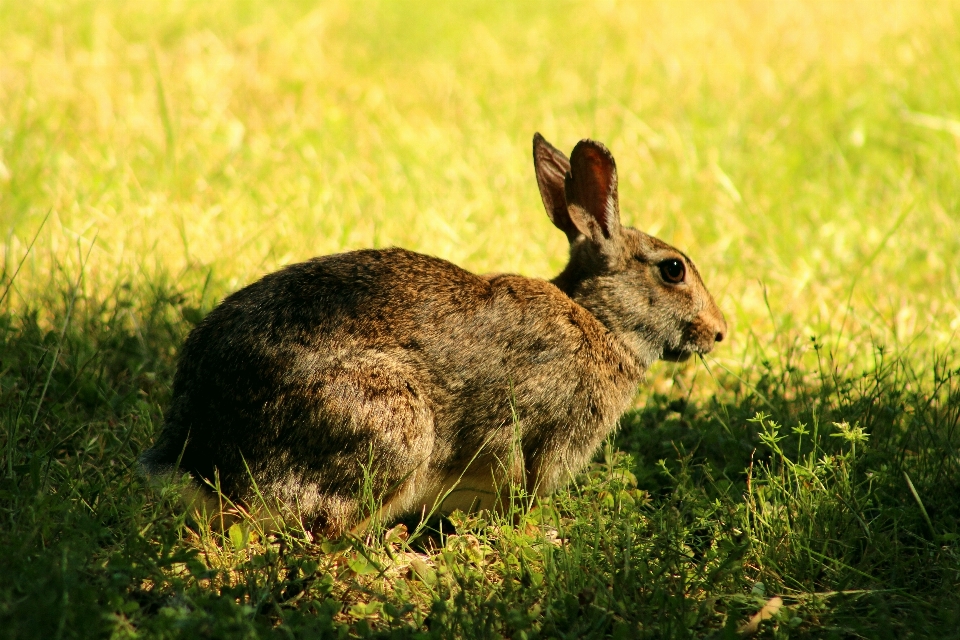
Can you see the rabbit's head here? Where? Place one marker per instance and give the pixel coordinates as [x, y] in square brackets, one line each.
[643, 290]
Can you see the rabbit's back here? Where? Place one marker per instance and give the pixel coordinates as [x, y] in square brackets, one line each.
[294, 380]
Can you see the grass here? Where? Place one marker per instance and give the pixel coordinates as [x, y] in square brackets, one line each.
[155, 156]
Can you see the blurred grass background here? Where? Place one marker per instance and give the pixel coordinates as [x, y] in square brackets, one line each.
[808, 150]
[805, 154]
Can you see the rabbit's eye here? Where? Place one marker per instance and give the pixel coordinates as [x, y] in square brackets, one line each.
[673, 271]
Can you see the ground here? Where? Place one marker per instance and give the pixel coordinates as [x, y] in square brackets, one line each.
[802, 480]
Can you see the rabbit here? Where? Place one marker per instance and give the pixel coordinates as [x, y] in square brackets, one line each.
[435, 384]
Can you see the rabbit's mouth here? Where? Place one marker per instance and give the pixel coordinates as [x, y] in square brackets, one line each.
[676, 355]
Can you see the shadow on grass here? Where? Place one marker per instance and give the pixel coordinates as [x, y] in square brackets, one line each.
[846, 483]
[835, 490]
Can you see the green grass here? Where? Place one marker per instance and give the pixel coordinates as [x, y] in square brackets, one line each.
[807, 155]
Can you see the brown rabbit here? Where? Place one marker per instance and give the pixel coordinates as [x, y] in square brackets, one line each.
[437, 383]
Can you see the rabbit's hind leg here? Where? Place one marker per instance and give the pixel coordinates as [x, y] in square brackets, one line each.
[371, 435]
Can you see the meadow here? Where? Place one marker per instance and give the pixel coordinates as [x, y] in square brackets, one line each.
[801, 481]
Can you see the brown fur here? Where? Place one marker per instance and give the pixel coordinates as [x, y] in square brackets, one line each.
[434, 379]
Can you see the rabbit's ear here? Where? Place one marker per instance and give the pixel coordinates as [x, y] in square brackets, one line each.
[591, 192]
[551, 167]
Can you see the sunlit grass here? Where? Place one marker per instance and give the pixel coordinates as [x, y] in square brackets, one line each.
[773, 143]
[805, 154]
